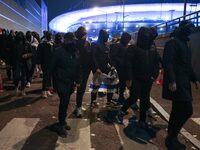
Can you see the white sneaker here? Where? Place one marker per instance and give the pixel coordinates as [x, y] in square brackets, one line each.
[23, 93]
[95, 103]
[28, 85]
[49, 94]
[17, 92]
[151, 112]
[44, 94]
[78, 112]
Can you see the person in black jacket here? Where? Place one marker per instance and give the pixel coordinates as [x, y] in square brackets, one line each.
[100, 55]
[178, 74]
[45, 53]
[21, 55]
[142, 67]
[65, 69]
[85, 54]
[34, 44]
[117, 56]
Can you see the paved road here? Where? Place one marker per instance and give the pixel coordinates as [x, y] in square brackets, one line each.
[25, 122]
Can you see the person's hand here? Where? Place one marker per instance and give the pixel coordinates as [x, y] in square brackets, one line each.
[98, 71]
[197, 84]
[172, 87]
[128, 84]
[25, 56]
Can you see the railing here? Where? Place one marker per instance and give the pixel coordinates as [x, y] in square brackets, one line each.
[169, 26]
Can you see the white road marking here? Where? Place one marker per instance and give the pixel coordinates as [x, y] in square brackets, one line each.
[197, 120]
[78, 137]
[185, 133]
[16, 132]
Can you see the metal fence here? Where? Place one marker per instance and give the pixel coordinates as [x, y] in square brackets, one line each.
[169, 26]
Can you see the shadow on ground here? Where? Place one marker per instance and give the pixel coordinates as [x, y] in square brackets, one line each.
[21, 102]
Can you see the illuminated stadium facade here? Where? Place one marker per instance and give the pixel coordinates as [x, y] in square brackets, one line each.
[116, 19]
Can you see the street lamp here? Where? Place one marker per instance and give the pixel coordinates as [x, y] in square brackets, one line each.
[123, 12]
[106, 16]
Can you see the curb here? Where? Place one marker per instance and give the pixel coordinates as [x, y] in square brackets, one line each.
[184, 132]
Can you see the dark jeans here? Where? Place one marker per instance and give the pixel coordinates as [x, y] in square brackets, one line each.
[20, 72]
[85, 72]
[47, 79]
[31, 72]
[139, 90]
[180, 113]
[122, 81]
[63, 106]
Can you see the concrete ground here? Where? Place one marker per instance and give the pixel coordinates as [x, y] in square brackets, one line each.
[25, 123]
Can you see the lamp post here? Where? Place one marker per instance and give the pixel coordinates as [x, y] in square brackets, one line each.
[185, 9]
[123, 12]
[172, 13]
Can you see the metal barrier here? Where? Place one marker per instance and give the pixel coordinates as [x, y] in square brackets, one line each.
[169, 26]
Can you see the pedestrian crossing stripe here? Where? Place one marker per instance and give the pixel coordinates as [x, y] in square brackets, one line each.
[78, 137]
[15, 133]
[196, 120]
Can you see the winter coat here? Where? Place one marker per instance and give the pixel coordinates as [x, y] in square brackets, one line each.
[45, 54]
[141, 64]
[177, 69]
[100, 55]
[65, 68]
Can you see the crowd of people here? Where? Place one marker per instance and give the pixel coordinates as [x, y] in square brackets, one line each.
[67, 61]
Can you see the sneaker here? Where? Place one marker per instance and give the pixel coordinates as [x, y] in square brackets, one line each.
[17, 92]
[62, 132]
[44, 94]
[28, 85]
[67, 127]
[171, 144]
[151, 112]
[49, 94]
[181, 145]
[94, 103]
[119, 117]
[78, 112]
[23, 93]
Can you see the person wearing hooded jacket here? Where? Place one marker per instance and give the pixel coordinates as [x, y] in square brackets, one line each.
[178, 74]
[34, 44]
[65, 68]
[142, 68]
[117, 56]
[21, 55]
[45, 53]
[85, 56]
[101, 61]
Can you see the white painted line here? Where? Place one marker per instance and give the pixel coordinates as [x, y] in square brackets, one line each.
[197, 120]
[129, 144]
[78, 137]
[16, 132]
[183, 131]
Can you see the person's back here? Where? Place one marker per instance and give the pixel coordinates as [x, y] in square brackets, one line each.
[144, 63]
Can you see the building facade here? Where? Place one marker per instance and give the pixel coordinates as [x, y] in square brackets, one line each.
[23, 15]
